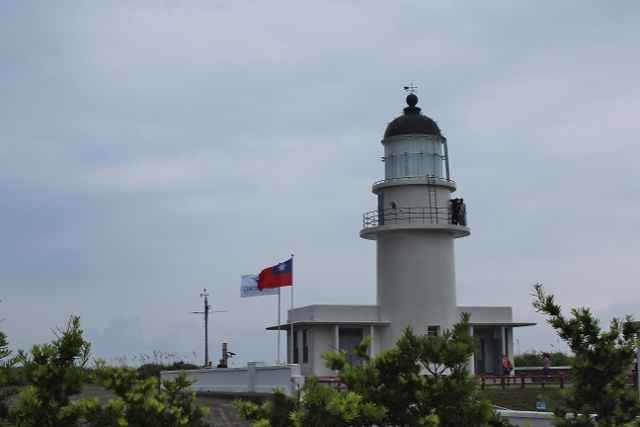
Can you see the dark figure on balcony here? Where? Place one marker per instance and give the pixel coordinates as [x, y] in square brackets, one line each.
[455, 211]
[462, 213]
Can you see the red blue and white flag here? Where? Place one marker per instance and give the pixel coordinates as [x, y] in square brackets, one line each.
[277, 276]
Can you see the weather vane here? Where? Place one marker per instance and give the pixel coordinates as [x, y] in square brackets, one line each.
[411, 88]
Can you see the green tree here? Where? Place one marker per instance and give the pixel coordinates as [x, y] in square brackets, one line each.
[271, 413]
[54, 372]
[8, 376]
[142, 403]
[314, 405]
[600, 394]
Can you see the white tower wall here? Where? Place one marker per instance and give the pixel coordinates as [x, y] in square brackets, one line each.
[416, 281]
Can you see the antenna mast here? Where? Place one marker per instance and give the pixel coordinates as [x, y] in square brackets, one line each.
[206, 312]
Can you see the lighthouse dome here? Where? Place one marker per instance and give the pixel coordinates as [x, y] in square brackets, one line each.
[412, 121]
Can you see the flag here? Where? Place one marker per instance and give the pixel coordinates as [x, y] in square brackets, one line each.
[277, 276]
[249, 287]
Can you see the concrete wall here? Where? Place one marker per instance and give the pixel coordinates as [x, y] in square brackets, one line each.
[324, 339]
[415, 196]
[335, 313]
[249, 379]
[416, 281]
[522, 418]
[487, 314]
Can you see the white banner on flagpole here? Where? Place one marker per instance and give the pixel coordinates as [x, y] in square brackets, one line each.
[249, 287]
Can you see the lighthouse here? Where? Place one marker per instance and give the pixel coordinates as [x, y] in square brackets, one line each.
[414, 226]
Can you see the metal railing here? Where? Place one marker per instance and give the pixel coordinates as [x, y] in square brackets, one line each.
[409, 215]
[537, 380]
[415, 177]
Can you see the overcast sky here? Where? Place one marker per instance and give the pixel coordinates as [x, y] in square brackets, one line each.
[151, 149]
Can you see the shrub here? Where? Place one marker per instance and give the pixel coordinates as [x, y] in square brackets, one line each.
[8, 375]
[152, 370]
[55, 372]
[142, 403]
[599, 394]
[532, 358]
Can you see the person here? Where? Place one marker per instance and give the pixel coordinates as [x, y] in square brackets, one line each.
[455, 211]
[507, 367]
[221, 364]
[462, 213]
[546, 364]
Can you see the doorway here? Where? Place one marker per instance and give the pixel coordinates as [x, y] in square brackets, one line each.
[349, 339]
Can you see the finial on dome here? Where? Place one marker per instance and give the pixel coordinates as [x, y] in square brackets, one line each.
[412, 100]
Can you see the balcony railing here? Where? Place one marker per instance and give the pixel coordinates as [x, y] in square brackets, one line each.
[409, 215]
[427, 178]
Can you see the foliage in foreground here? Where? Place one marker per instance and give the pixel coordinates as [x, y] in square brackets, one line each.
[422, 381]
[313, 405]
[599, 394]
[54, 372]
[57, 371]
[141, 402]
[7, 375]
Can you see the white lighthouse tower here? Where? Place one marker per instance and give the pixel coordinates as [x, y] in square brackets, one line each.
[414, 228]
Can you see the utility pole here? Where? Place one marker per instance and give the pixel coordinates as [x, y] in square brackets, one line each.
[206, 312]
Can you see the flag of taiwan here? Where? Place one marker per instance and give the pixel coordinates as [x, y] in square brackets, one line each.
[277, 276]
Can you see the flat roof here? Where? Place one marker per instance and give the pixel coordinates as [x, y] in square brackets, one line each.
[329, 323]
[384, 323]
[512, 324]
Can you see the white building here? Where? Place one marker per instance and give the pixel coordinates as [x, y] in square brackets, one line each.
[414, 227]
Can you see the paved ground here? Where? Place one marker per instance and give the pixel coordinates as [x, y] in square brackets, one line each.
[222, 412]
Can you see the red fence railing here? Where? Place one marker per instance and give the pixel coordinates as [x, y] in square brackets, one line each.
[535, 380]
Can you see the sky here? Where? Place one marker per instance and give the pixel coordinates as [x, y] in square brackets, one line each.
[153, 149]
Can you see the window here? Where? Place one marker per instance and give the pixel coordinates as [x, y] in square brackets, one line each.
[380, 208]
[349, 339]
[433, 330]
[305, 346]
[296, 358]
[414, 155]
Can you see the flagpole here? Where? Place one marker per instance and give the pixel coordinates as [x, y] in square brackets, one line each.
[278, 325]
[291, 313]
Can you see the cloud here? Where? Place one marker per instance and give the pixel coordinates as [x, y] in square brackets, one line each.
[150, 151]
